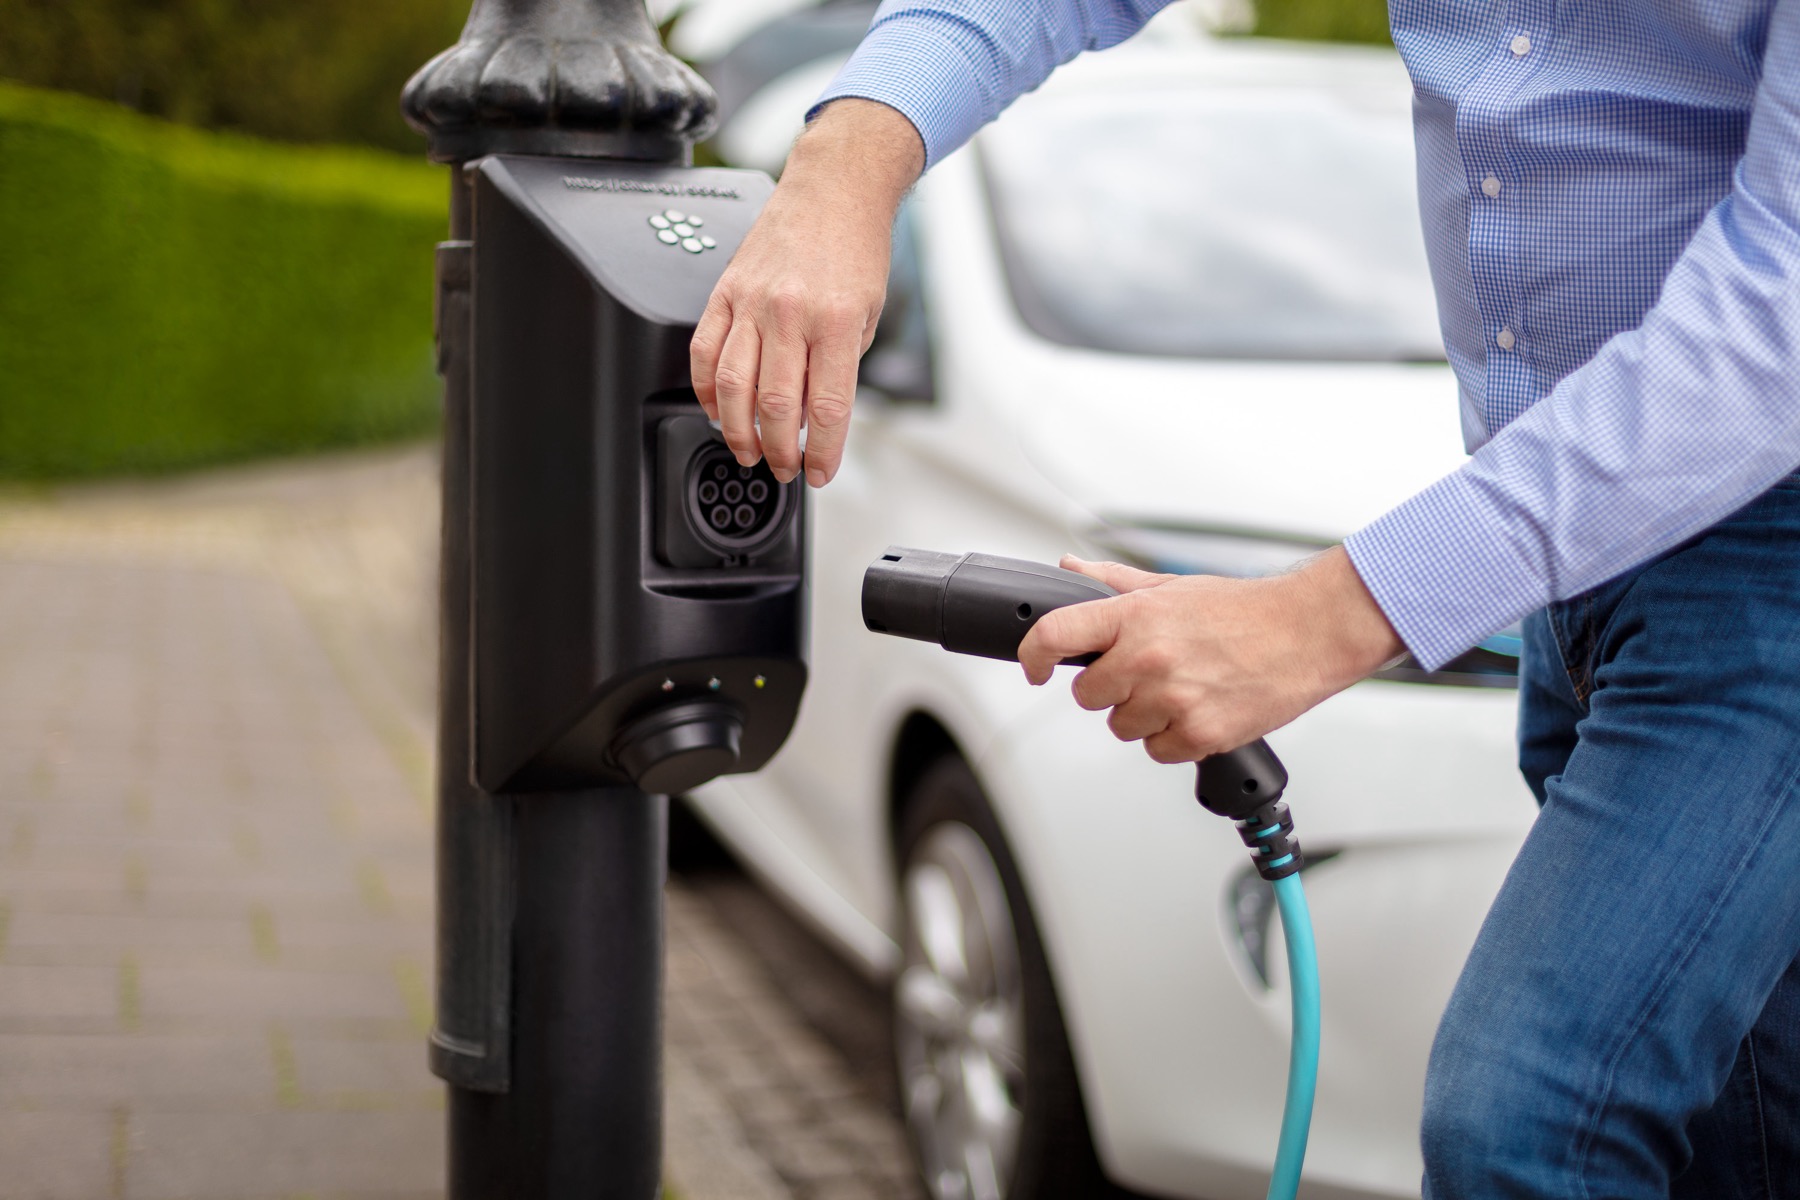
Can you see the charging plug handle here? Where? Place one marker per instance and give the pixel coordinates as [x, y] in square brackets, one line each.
[984, 605]
[978, 604]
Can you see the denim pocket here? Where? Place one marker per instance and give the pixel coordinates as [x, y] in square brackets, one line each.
[1579, 624]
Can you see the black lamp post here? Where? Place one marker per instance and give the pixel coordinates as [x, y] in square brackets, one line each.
[549, 972]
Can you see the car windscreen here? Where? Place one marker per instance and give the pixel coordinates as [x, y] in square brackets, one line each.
[1266, 223]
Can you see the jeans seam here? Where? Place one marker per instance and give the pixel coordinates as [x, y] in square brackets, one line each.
[1585, 1145]
[1582, 633]
[1762, 1122]
[1563, 653]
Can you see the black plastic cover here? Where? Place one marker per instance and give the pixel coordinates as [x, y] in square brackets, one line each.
[1238, 782]
[583, 311]
[979, 604]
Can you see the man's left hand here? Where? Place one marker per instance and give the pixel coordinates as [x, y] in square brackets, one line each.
[1194, 665]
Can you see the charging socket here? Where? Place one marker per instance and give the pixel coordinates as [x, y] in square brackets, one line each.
[712, 512]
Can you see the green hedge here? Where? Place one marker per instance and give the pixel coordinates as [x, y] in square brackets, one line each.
[170, 298]
[295, 70]
[1324, 20]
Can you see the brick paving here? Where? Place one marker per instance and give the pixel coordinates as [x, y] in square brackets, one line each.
[215, 869]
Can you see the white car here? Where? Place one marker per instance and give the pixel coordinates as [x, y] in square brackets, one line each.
[1171, 309]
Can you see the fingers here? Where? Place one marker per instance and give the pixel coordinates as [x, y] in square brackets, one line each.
[1173, 745]
[735, 387]
[1067, 633]
[764, 380]
[1135, 722]
[1117, 576]
[830, 391]
[704, 351]
[780, 386]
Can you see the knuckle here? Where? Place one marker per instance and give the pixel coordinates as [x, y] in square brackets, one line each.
[732, 380]
[777, 406]
[1156, 658]
[719, 304]
[786, 306]
[830, 409]
[1197, 734]
[842, 318]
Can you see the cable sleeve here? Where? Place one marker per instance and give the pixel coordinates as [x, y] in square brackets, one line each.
[1303, 1061]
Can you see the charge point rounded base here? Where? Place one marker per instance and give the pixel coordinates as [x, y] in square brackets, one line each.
[676, 749]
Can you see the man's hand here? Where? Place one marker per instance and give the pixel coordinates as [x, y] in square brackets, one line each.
[780, 339]
[1193, 665]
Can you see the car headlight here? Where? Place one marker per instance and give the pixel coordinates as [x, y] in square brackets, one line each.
[1184, 550]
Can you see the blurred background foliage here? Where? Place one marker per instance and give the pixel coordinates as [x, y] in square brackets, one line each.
[1322, 20]
[297, 70]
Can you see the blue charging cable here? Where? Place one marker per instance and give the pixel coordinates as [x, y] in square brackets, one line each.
[1269, 832]
[1303, 1060]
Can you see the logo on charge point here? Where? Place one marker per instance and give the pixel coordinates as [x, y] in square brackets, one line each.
[676, 228]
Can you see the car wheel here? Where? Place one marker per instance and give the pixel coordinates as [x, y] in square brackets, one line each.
[987, 1082]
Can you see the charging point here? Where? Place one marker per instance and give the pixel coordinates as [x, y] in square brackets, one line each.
[619, 547]
[619, 621]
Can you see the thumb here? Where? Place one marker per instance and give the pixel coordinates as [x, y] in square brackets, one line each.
[1116, 576]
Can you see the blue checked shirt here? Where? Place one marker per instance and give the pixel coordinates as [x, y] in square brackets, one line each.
[1611, 202]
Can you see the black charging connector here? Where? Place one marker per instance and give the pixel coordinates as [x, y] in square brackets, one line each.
[978, 604]
[984, 605]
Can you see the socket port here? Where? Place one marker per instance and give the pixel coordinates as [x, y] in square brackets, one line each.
[732, 507]
[712, 513]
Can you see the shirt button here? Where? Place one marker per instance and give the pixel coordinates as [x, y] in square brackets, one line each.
[1521, 46]
[1505, 339]
[1490, 186]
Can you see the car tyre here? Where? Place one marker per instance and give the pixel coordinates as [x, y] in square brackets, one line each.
[987, 1082]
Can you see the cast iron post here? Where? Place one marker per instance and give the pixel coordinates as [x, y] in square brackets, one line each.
[549, 962]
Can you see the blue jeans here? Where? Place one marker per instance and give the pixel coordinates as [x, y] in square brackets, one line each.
[1628, 1024]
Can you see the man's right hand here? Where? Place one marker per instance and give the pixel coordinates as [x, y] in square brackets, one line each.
[778, 345]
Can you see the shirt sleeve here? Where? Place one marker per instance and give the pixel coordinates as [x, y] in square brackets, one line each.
[1667, 430]
[951, 66]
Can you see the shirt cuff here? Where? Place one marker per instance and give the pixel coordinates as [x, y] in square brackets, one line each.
[929, 71]
[1445, 570]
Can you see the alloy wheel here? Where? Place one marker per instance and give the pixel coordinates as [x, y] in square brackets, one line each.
[960, 1024]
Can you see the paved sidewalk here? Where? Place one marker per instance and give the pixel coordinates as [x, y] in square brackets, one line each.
[215, 869]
